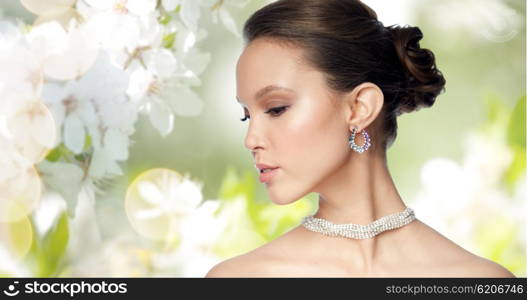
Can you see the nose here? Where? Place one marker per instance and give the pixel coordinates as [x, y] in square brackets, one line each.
[253, 139]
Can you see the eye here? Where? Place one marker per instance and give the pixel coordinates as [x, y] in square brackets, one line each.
[275, 112]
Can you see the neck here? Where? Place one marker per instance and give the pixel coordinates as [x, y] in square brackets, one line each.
[360, 192]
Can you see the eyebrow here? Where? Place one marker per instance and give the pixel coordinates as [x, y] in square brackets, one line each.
[263, 91]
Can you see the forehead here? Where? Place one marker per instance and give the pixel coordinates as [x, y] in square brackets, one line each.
[264, 62]
[266, 50]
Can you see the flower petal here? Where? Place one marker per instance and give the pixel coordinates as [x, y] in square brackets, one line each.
[74, 133]
[228, 21]
[161, 116]
[116, 144]
[141, 7]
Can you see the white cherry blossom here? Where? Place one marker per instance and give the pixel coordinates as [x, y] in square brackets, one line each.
[78, 56]
[21, 75]
[74, 83]
[219, 11]
[160, 90]
[159, 200]
[136, 7]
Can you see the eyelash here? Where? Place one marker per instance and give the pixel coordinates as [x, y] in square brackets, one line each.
[276, 110]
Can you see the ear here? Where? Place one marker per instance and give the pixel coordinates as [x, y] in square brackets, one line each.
[364, 103]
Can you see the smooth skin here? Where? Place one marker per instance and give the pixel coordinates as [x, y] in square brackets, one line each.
[308, 142]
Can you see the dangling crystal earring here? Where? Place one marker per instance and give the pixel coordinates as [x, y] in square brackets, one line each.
[356, 147]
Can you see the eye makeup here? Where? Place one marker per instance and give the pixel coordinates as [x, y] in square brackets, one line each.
[273, 112]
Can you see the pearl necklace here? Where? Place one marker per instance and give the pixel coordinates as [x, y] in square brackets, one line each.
[358, 231]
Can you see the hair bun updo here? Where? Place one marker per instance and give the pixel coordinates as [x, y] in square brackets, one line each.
[424, 82]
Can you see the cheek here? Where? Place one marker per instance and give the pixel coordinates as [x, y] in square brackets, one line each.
[316, 143]
[311, 149]
[312, 145]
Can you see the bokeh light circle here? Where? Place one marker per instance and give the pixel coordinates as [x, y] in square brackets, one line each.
[19, 194]
[33, 130]
[16, 237]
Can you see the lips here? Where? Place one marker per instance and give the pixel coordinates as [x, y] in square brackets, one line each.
[261, 167]
[267, 175]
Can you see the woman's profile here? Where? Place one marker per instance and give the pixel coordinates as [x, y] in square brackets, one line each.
[322, 83]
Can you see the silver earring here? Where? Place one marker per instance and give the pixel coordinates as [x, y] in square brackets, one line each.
[355, 147]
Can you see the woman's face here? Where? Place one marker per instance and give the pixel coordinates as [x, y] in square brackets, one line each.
[299, 128]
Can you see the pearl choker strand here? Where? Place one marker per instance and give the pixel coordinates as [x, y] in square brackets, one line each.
[358, 231]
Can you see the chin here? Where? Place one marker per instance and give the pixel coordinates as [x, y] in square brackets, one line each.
[282, 201]
[283, 198]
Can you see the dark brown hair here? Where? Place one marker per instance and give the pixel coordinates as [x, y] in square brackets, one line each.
[344, 40]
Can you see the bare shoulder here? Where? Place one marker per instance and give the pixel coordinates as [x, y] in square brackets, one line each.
[233, 267]
[251, 264]
[267, 260]
[226, 268]
[457, 261]
[481, 267]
